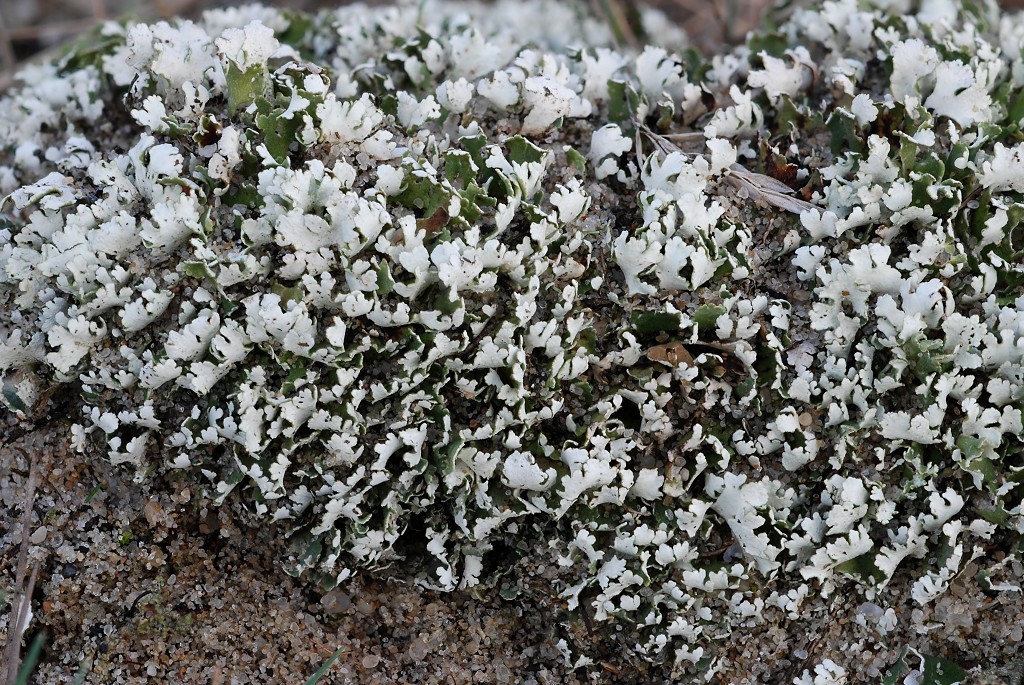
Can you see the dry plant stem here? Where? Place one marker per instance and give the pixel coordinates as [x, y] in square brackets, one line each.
[697, 15]
[54, 30]
[7, 58]
[720, 19]
[99, 10]
[614, 12]
[689, 143]
[22, 593]
[687, 137]
[170, 8]
[162, 9]
[8, 62]
[694, 7]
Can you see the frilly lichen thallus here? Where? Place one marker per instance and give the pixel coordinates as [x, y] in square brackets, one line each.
[451, 268]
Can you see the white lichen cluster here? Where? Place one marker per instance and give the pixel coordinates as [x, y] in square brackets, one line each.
[441, 268]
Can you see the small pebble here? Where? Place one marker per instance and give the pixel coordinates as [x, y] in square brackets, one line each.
[69, 571]
[418, 649]
[153, 512]
[336, 602]
[371, 661]
[38, 535]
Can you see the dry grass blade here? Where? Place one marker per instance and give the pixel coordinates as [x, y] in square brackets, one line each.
[767, 189]
[686, 137]
[690, 142]
[758, 187]
[21, 602]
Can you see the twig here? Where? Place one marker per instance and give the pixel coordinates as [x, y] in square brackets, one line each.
[20, 605]
[640, 148]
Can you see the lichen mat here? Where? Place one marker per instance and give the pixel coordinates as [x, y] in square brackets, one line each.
[442, 282]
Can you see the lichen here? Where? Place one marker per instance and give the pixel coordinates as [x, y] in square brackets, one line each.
[417, 282]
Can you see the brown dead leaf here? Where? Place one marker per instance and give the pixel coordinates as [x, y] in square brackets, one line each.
[782, 170]
[434, 223]
[671, 354]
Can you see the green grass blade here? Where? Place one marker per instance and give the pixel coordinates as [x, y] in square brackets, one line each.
[31, 659]
[315, 678]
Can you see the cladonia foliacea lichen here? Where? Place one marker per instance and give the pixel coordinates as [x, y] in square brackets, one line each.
[426, 282]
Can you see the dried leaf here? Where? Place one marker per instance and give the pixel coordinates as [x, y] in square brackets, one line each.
[781, 170]
[671, 354]
[434, 223]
